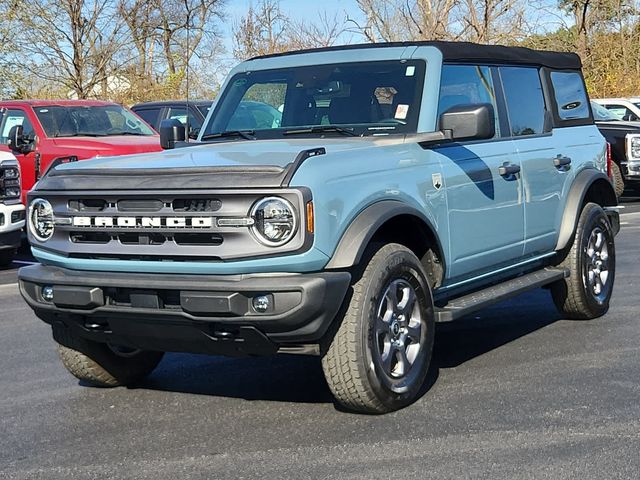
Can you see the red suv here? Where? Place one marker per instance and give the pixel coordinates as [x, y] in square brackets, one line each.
[44, 133]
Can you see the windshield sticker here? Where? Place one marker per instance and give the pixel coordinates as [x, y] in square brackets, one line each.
[401, 111]
[410, 72]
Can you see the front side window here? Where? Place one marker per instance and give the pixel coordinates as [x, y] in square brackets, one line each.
[465, 85]
[93, 121]
[12, 118]
[525, 100]
[570, 95]
[621, 111]
[365, 98]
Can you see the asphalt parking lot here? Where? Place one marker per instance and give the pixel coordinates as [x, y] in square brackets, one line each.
[515, 392]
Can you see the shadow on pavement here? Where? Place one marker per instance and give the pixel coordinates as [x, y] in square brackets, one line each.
[300, 379]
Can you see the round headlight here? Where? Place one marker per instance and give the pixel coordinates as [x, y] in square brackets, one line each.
[41, 219]
[275, 221]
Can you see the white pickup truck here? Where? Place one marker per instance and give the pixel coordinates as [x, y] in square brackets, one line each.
[12, 214]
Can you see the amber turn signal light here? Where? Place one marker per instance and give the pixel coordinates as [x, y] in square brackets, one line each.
[310, 217]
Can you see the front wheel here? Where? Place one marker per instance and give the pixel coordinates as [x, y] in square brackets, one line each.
[105, 365]
[591, 260]
[380, 355]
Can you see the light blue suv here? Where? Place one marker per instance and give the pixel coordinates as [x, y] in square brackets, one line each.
[403, 185]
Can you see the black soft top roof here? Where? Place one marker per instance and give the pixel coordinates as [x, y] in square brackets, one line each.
[469, 52]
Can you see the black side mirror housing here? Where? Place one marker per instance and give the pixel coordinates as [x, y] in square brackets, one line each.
[194, 132]
[18, 142]
[172, 131]
[469, 121]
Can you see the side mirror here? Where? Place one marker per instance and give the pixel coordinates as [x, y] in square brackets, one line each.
[18, 142]
[469, 121]
[172, 131]
[194, 132]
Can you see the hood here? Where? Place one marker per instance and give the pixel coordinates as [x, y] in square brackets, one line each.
[234, 164]
[619, 125]
[228, 154]
[6, 156]
[86, 147]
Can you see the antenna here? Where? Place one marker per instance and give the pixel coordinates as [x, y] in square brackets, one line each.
[186, 4]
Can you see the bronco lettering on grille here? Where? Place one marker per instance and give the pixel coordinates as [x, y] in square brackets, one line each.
[144, 222]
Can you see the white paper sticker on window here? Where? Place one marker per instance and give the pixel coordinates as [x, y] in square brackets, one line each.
[401, 111]
[411, 70]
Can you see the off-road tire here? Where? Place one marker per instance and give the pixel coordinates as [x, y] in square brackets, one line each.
[574, 296]
[98, 365]
[617, 179]
[355, 379]
[6, 257]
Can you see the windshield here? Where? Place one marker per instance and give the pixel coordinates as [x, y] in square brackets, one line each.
[601, 114]
[367, 98]
[96, 121]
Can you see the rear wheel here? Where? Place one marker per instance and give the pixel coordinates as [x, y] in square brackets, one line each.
[617, 179]
[586, 293]
[379, 357]
[105, 365]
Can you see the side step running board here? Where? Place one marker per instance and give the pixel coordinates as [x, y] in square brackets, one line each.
[461, 306]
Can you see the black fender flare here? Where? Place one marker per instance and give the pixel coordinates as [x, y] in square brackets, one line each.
[357, 236]
[575, 199]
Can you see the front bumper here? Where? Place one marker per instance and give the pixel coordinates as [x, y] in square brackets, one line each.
[12, 219]
[189, 313]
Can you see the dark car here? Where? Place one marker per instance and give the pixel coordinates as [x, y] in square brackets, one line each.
[624, 138]
[195, 112]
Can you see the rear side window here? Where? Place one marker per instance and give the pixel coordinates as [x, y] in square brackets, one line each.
[570, 95]
[525, 100]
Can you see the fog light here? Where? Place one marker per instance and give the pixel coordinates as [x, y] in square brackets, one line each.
[47, 293]
[261, 304]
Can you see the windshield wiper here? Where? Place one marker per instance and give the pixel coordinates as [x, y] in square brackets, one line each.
[79, 134]
[323, 129]
[138, 134]
[246, 134]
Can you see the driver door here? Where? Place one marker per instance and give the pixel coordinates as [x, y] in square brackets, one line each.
[485, 206]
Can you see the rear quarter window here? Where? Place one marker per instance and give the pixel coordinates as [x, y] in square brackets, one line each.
[570, 96]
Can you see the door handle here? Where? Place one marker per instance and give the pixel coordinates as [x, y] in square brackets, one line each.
[508, 169]
[561, 161]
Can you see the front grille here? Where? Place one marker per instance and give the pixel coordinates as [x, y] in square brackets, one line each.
[87, 205]
[18, 216]
[196, 205]
[162, 226]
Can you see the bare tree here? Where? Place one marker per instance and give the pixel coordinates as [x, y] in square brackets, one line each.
[261, 31]
[70, 42]
[322, 33]
[266, 29]
[383, 21]
[492, 21]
